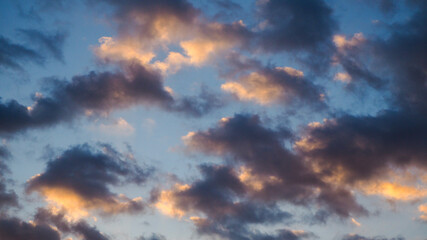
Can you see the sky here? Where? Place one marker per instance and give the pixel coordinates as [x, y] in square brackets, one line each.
[222, 119]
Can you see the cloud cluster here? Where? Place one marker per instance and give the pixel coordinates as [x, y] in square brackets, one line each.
[258, 174]
[263, 170]
[15, 229]
[99, 93]
[218, 205]
[79, 180]
[48, 224]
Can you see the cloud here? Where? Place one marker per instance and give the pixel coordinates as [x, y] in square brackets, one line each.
[58, 219]
[423, 210]
[13, 55]
[356, 223]
[79, 180]
[15, 117]
[305, 26]
[359, 237]
[348, 54]
[160, 20]
[49, 43]
[100, 93]
[153, 236]
[369, 152]
[8, 198]
[363, 147]
[268, 85]
[343, 77]
[15, 229]
[219, 198]
[271, 172]
[119, 127]
[110, 50]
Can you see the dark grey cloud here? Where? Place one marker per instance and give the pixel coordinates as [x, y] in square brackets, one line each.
[305, 26]
[403, 53]
[15, 117]
[13, 55]
[80, 228]
[296, 24]
[15, 229]
[359, 237]
[89, 173]
[154, 236]
[49, 43]
[220, 196]
[365, 145]
[100, 93]
[243, 140]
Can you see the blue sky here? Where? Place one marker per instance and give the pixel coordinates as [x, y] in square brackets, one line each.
[225, 119]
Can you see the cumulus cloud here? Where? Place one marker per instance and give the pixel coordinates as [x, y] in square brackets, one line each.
[59, 219]
[363, 147]
[216, 204]
[298, 26]
[79, 180]
[16, 229]
[271, 172]
[101, 93]
[370, 152]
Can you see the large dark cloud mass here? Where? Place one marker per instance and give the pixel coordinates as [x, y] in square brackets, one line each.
[100, 93]
[294, 25]
[87, 174]
[220, 196]
[298, 26]
[365, 146]
[259, 174]
[15, 229]
[243, 140]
